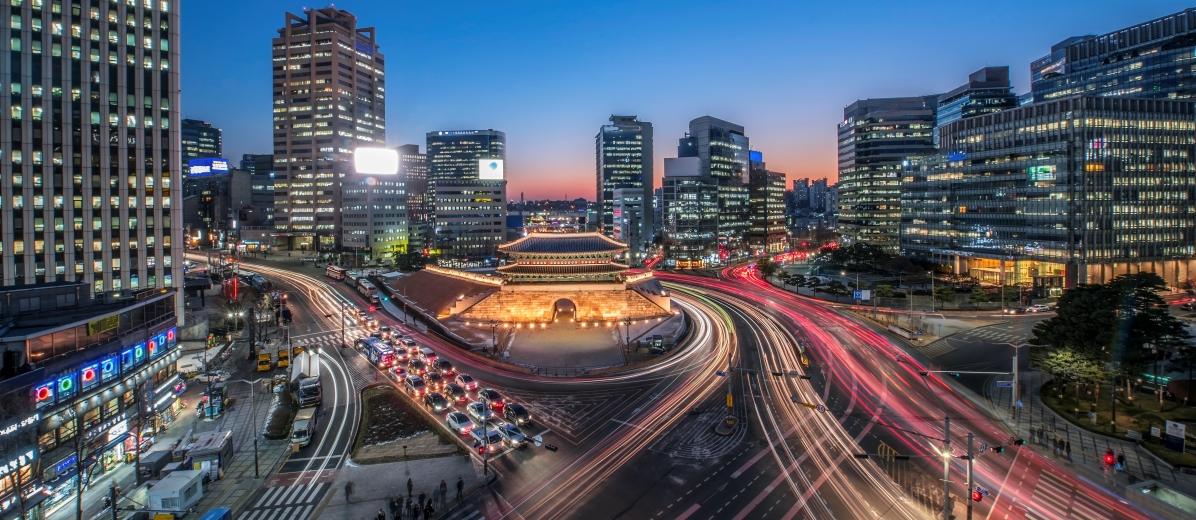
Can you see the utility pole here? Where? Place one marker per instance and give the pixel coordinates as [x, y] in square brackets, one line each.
[946, 466]
[1016, 416]
[971, 456]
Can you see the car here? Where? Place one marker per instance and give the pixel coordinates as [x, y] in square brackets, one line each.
[443, 367]
[458, 422]
[401, 356]
[397, 373]
[511, 435]
[427, 355]
[453, 392]
[385, 331]
[374, 300]
[1015, 310]
[1038, 307]
[415, 385]
[371, 323]
[478, 412]
[434, 380]
[361, 316]
[492, 398]
[1186, 307]
[517, 414]
[492, 442]
[407, 342]
[436, 402]
[466, 382]
[417, 367]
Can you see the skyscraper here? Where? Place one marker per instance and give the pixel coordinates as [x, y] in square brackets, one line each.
[466, 181]
[722, 150]
[1151, 59]
[767, 197]
[328, 99]
[91, 146]
[689, 215]
[413, 169]
[200, 139]
[624, 161]
[261, 176]
[818, 196]
[801, 193]
[987, 91]
[876, 135]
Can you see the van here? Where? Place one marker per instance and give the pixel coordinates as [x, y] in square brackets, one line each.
[304, 427]
[310, 392]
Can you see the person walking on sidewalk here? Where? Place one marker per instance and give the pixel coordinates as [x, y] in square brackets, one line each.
[428, 510]
[414, 511]
[1067, 448]
[460, 487]
[443, 493]
[410, 486]
[408, 506]
[422, 498]
[348, 491]
[381, 514]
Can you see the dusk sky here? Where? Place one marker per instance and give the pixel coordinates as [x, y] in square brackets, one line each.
[550, 73]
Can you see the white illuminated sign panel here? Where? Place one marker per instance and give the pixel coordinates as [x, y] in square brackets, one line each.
[490, 169]
[376, 161]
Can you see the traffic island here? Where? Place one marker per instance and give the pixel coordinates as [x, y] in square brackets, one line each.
[282, 408]
[392, 430]
[726, 426]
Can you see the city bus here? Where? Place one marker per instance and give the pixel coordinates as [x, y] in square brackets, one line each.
[377, 351]
[366, 288]
[334, 272]
[351, 277]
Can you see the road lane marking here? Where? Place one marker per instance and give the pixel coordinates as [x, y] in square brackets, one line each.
[760, 455]
[692, 509]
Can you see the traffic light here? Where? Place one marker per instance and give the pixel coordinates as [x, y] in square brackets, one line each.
[371, 308]
[998, 449]
[1020, 442]
[1109, 458]
[977, 495]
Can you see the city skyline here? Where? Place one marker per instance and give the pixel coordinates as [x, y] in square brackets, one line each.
[544, 96]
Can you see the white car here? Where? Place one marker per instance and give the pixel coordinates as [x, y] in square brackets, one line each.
[427, 355]
[493, 440]
[458, 422]
[1038, 308]
[398, 373]
[478, 412]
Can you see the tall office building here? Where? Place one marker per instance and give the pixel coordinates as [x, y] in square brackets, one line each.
[260, 168]
[1150, 60]
[200, 139]
[818, 196]
[329, 98]
[689, 223]
[722, 150]
[413, 169]
[767, 196]
[467, 192]
[1054, 195]
[801, 193]
[624, 160]
[629, 211]
[91, 146]
[987, 91]
[374, 215]
[876, 135]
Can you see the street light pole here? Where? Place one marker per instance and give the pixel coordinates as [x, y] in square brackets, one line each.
[253, 406]
[971, 456]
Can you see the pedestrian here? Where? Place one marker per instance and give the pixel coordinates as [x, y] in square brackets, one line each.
[394, 506]
[348, 491]
[428, 510]
[410, 485]
[460, 487]
[1121, 460]
[408, 507]
[422, 498]
[414, 511]
[443, 493]
[381, 514]
[1067, 448]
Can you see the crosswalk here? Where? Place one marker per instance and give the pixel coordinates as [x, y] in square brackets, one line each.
[286, 502]
[936, 348]
[468, 511]
[1055, 498]
[990, 335]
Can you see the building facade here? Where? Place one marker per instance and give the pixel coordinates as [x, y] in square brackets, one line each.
[374, 215]
[629, 215]
[261, 177]
[413, 169]
[987, 91]
[876, 135]
[689, 215]
[468, 214]
[624, 160]
[1151, 59]
[722, 149]
[1059, 193]
[329, 98]
[91, 188]
[200, 139]
[767, 198]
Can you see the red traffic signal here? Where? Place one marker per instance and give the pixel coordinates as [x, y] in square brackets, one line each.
[977, 496]
[1109, 460]
[371, 308]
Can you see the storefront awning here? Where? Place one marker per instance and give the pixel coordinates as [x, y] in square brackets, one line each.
[165, 403]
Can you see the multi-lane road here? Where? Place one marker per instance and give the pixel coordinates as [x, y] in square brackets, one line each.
[641, 444]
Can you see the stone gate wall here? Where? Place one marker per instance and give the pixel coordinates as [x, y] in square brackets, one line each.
[538, 306]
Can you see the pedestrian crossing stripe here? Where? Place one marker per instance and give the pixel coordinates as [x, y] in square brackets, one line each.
[290, 495]
[936, 348]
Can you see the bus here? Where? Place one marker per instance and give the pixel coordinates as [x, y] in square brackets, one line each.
[351, 277]
[334, 272]
[377, 351]
[366, 288]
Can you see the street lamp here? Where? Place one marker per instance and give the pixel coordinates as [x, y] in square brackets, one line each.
[256, 433]
[494, 335]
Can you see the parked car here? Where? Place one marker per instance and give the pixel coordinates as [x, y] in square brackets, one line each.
[443, 367]
[397, 373]
[417, 367]
[434, 380]
[458, 422]
[478, 412]
[492, 398]
[517, 414]
[511, 435]
[415, 385]
[466, 382]
[453, 392]
[436, 402]
[1038, 307]
[492, 442]
[427, 355]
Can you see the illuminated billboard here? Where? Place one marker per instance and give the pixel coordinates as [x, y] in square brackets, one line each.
[376, 161]
[207, 166]
[490, 169]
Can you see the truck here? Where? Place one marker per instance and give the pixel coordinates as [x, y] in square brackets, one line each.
[310, 392]
[264, 363]
[284, 357]
[304, 427]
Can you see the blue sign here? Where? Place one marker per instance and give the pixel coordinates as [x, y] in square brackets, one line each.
[755, 156]
[66, 464]
[720, 374]
[363, 47]
[858, 294]
[1004, 384]
[957, 156]
[207, 166]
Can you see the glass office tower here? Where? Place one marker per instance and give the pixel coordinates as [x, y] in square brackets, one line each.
[624, 161]
[722, 149]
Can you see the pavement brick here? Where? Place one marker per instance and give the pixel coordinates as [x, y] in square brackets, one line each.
[375, 484]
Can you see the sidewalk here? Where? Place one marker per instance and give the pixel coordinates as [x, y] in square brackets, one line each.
[375, 484]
